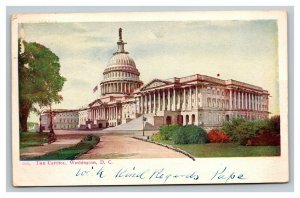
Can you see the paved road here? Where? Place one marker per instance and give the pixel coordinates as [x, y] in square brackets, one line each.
[116, 145]
[126, 147]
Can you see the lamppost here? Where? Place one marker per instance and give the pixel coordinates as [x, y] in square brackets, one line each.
[41, 128]
[52, 137]
[143, 120]
[51, 123]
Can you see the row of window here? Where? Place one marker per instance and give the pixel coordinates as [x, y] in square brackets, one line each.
[217, 92]
[66, 115]
[68, 120]
[65, 126]
[120, 74]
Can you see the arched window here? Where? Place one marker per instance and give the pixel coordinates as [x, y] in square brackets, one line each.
[193, 119]
[187, 119]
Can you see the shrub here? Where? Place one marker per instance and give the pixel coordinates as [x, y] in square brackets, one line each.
[265, 139]
[190, 134]
[275, 124]
[156, 137]
[240, 130]
[166, 131]
[216, 136]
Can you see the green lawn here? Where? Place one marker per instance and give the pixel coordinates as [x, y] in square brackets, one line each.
[72, 152]
[32, 139]
[225, 149]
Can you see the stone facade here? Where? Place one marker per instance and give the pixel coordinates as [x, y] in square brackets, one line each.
[62, 119]
[201, 100]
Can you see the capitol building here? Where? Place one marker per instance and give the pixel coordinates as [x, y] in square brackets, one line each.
[191, 100]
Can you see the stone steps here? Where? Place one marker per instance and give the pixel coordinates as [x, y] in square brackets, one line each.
[134, 125]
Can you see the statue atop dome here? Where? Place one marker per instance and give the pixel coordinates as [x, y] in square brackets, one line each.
[120, 34]
[121, 44]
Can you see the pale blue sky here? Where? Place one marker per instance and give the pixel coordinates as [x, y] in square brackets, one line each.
[241, 50]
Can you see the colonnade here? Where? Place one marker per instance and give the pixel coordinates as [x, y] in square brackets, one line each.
[107, 113]
[241, 100]
[118, 87]
[168, 99]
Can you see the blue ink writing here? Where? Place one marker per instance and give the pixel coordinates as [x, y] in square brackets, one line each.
[225, 175]
[161, 174]
[130, 173]
[90, 172]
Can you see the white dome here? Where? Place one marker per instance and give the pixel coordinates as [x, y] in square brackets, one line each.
[121, 75]
[121, 59]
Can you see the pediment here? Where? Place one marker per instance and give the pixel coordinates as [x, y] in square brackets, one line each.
[96, 103]
[155, 83]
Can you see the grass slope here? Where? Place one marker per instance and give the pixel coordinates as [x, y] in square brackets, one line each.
[32, 139]
[226, 149]
[71, 152]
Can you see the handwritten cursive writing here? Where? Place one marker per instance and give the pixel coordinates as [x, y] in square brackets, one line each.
[225, 175]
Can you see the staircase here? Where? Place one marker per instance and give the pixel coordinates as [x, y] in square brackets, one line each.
[135, 125]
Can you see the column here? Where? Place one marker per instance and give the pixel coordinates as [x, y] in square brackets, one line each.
[196, 98]
[150, 100]
[154, 102]
[158, 95]
[142, 104]
[247, 101]
[242, 100]
[164, 101]
[174, 99]
[109, 114]
[178, 100]
[256, 101]
[254, 97]
[260, 103]
[234, 98]
[239, 100]
[169, 100]
[184, 100]
[146, 105]
[230, 99]
[251, 102]
[190, 99]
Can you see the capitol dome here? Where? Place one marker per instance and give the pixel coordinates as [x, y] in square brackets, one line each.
[121, 75]
[121, 59]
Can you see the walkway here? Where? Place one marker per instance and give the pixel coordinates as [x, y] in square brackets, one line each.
[125, 147]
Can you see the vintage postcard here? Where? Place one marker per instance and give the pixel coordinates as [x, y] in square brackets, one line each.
[150, 98]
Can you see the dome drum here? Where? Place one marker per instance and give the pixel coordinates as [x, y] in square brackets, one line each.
[122, 69]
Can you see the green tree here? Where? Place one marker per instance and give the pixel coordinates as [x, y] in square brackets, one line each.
[39, 79]
[240, 130]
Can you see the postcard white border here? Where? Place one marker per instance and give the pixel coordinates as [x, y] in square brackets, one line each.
[255, 169]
